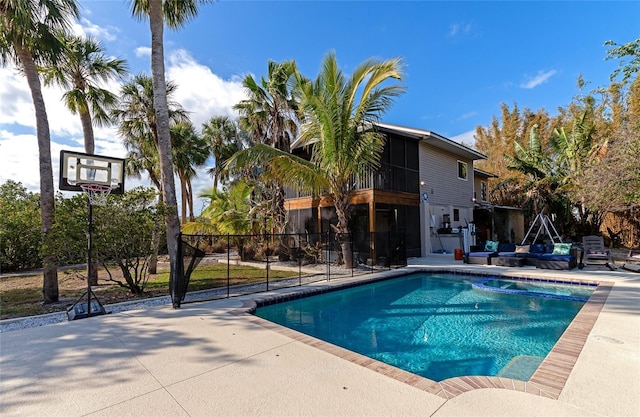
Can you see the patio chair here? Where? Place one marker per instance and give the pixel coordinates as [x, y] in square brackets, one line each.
[632, 261]
[633, 256]
[595, 253]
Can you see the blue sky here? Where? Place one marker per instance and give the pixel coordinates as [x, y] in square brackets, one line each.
[461, 60]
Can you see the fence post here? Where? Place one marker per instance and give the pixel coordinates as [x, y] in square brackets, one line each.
[266, 252]
[228, 265]
[329, 250]
[352, 254]
[389, 248]
[299, 254]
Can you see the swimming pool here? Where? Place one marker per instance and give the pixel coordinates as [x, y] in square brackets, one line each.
[434, 325]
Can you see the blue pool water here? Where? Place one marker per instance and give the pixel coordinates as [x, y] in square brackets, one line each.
[433, 325]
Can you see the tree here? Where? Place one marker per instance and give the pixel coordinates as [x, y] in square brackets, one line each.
[137, 126]
[230, 212]
[531, 159]
[269, 115]
[123, 231]
[175, 13]
[224, 138]
[20, 229]
[339, 113]
[190, 151]
[28, 38]
[497, 140]
[80, 70]
[628, 50]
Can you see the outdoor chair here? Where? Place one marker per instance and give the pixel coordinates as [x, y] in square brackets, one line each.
[632, 261]
[633, 256]
[595, 253]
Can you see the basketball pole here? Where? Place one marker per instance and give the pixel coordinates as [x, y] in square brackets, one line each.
[89, 257]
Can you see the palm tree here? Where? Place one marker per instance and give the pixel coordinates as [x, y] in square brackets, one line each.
[80, 70]
[531, 160]
[137, 126]
[28, 38]
[339, 113]
[189, 151]
[269, 112]
[175, 13]
[224, 138]
[269, 115]
[229, 212]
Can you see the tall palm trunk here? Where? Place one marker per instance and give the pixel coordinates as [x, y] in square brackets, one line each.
[156, 24]
[341, 203]
[185, 198]
[87, 130]
[190, 200]
[47, 194]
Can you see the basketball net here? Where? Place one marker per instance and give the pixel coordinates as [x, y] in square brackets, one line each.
[97, 193]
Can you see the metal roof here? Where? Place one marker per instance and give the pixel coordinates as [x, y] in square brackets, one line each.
[433, 139]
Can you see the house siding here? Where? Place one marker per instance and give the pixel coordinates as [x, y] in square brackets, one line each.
[439, 172]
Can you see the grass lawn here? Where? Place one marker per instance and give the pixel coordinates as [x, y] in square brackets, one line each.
[21, 296]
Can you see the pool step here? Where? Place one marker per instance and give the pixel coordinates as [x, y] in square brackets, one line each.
[521, 367]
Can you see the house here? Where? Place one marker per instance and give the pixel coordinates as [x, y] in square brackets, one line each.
[421, 195]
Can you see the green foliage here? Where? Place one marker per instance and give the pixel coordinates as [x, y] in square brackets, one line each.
[628, 50]
[224, 137]
[20, 229]
[123, 232]
[68, 238]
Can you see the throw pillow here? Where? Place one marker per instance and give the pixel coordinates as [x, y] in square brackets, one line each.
[491, 246]
[522, 248]
[561, 248]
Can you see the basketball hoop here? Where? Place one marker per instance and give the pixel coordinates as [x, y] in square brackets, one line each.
[97, 193]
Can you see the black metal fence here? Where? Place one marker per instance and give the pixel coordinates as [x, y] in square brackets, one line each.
[233, 265]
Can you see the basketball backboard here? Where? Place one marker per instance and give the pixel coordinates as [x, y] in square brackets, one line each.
[80, 168]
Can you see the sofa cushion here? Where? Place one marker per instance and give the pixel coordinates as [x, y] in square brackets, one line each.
[506, 247]
[536, 248]
[480, 254]
[522, 248]
[491, 246]
[561, 248]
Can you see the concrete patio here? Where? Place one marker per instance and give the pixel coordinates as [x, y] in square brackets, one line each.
[206, 360]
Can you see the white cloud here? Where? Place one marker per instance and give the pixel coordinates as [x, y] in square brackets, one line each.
[456, 29]
[466, 138]
[200, 91]
[538, 79]
[143, 52]
[16, 106]
[19, 159]
[85, 28]
[468, 115]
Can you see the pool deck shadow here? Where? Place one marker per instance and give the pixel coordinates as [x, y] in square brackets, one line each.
[212, 358]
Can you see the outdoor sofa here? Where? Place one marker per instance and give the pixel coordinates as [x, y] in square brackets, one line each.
[557, 256]
[484, 254]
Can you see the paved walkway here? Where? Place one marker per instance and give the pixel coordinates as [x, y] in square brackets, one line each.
[201, 360]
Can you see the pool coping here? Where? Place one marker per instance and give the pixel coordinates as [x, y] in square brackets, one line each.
[547, 381]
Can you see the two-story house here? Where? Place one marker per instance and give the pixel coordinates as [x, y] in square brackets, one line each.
[422, 192]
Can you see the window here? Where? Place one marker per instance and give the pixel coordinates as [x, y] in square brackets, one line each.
[484, 194]
[456, 215]
[462, 170]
